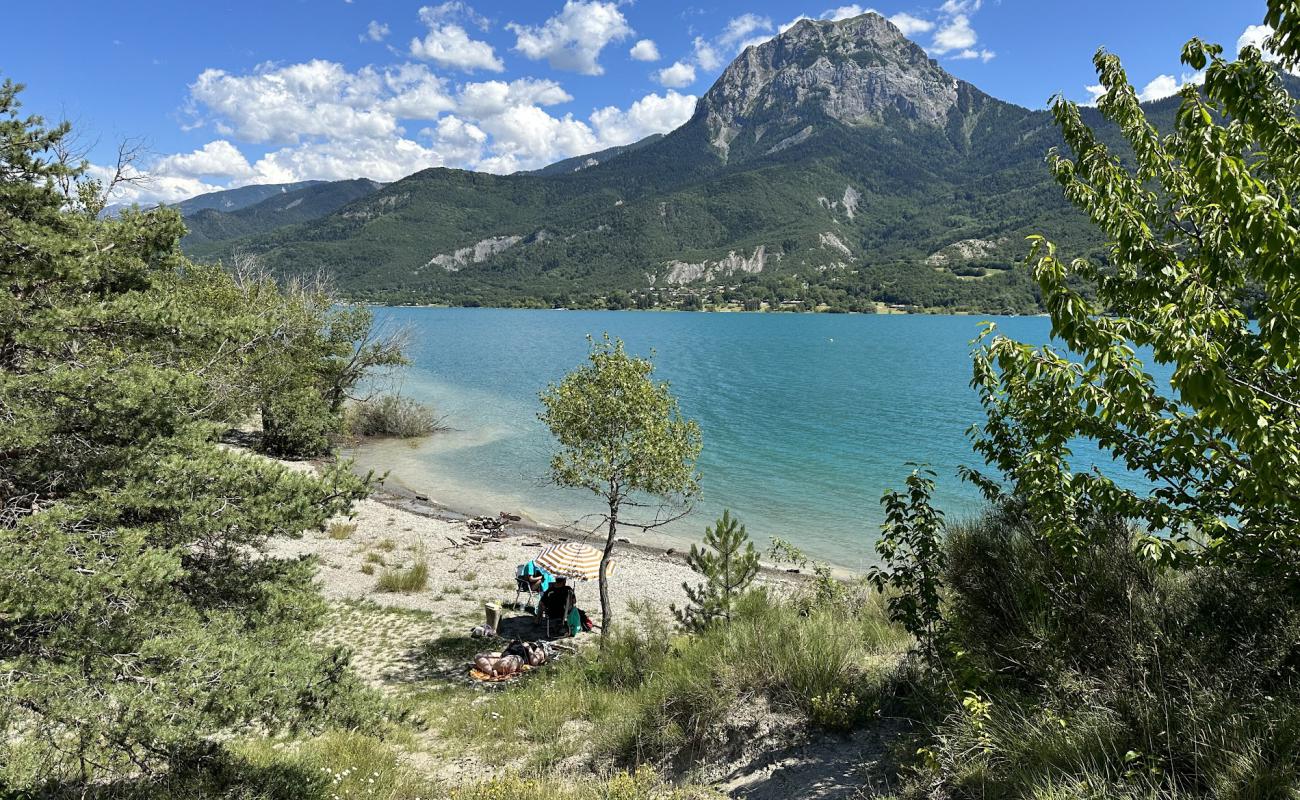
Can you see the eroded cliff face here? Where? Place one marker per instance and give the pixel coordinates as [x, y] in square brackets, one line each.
[858, 71]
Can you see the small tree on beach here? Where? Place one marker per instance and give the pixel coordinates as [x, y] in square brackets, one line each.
[622, 437]
[728, 566]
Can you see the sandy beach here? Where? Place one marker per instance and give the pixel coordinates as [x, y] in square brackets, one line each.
[391, 531]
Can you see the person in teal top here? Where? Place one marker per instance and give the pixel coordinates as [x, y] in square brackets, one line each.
[538, 577]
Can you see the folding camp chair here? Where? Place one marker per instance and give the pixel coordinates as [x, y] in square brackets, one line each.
[523, 586]
[555, 608]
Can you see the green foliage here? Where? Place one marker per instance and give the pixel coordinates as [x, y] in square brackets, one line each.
[411, 579]
[137, 613]
[641, 784]
[1199, 216]
[911, 547]
[391, 415]
[656, 696]
[1101, 668]
[621, 437]
[728, 567]
[341, 530]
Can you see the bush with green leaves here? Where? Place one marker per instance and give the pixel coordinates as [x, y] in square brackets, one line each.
[1201, 220]
[393, 416]
[728, 567]
[911, 549]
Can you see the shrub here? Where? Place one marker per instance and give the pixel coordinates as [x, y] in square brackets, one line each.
[342, 530]
[413, 579]
[392, 415]
[1100, 667]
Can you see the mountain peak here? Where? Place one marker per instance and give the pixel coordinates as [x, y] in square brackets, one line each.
[856, 71]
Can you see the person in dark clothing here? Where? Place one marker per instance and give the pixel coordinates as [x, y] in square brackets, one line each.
[558, 601]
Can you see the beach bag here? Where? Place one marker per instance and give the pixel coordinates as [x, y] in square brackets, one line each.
[585, 621]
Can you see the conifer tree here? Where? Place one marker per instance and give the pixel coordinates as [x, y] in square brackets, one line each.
[139, 610]
[728, 566]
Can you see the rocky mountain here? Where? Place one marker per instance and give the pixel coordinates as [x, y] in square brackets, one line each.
[834, 164]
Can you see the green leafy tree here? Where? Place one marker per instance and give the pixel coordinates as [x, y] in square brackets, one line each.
[1201, 222]
[311, 360]
[621, 437]
[912, 552]
[728, 566]
[139, 614]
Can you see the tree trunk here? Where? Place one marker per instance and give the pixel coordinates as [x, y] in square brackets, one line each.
[607, 613]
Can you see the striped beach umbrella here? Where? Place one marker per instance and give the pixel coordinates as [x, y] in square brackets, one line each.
[572, 560]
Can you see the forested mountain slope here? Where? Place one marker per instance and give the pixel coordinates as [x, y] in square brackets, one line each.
[834, 164]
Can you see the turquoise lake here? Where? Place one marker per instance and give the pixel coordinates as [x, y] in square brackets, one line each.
[807, 418]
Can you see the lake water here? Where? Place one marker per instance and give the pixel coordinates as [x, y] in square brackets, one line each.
[806, 418]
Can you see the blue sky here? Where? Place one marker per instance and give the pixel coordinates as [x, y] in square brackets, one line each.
[230, 93]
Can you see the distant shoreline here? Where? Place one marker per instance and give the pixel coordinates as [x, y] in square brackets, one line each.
[392, 493]
[888, 312]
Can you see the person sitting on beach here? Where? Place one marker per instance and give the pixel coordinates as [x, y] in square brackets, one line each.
[538, 578]
[558, 601]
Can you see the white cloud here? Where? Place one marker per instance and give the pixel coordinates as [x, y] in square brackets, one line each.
[845, 12]
[283, 104]
[983, 55]
[1254, 36]
[219, 159]
[489, 98]
[955, 34]
[572, 40]
[448, 44]
[323, 121]
[149, 189]
[1163, 86]
[651, 114]
[644, 50]
[1094, 93]
[961, 6]
[1159, 87]
[706, 55]
[910, 25]
[375, 32]
[678, 75]
[381, 159]
[457, 141]
[741, 29]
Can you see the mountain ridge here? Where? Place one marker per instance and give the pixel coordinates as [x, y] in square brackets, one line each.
[836, 165]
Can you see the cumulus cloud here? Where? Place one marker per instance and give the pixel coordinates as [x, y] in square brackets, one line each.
[706, 54]
[572, 40]
[282, 104]
[678, 75]
[1159, 87]
[375, 32]
[651, 114]
[1095, 92]
[955, 34]
[331, 123]
[910, 25]
[845, 12]
[1254, 36]
[219, 159]
[967, 55]
[1163, 86]
[644, 50]
[742, 29]
[447, 43]
[489, 98]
